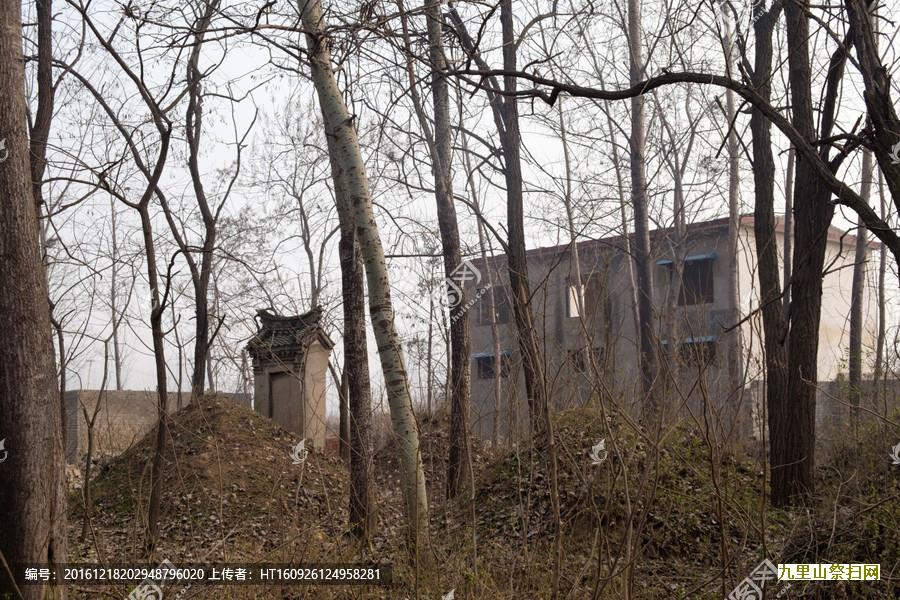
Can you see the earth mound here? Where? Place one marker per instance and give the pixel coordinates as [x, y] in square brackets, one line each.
[230, 488]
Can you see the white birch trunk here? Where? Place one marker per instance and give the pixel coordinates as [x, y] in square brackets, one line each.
[347, 164]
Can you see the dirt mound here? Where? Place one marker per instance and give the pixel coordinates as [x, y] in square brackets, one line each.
[513, 495]
[434, 444]
[229, 488]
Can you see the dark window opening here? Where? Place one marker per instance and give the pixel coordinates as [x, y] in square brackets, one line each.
[501, 307]
[486, 366]
[696, 282]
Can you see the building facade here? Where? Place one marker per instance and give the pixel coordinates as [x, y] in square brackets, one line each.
[708, 327]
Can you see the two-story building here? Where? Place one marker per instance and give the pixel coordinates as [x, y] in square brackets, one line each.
[708, 326]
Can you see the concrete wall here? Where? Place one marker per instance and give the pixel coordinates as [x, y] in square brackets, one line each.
[609, 323]
[834, 328]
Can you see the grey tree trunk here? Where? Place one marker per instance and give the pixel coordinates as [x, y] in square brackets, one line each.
[358, 428]
[157, 304]
[733, 337]
[882, 311]
[200, 276]
[506, 119]
[114, 294]
[348, 167]
[793, 460]
[788, 229]
[441, 156]
[857, 294]
[32, 476]
[773, 316]
[643, 272]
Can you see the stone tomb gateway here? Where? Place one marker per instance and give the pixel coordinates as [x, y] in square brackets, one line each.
[290, 357]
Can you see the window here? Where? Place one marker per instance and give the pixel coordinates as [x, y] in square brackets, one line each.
[582, 360]
[501, 306]
[697, 281]
[572, 300]
[486, 364]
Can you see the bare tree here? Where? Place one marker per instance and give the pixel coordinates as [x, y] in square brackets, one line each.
[644, 275]
[439, 144]
[32, 479]
[355, 206]
[857, 295]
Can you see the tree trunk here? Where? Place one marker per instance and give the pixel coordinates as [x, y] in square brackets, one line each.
[356, 373]
[348, 170]
[43, 117]
[429, 383]
[162, 428]
[32, 476]
[857, 294]
[882, 311]
[114, 294]
[794, 459]
[441, 157]
[343, 384]
[506, 119]
[644, 274]
[770, 301]
[733, 337]
[520, 287]
[193, 131]
[788, 230]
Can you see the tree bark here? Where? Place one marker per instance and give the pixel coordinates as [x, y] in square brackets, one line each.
[356, 375]
[520, 287]
[882, 310]
[506, 118]
[32, 476]
[788, 230]
[114, 294]
[643, 272]
[733, 337]
[441, 156]
[193, 125]
[857, 295]
[793, 471]
[349, 173]
[157, 304]
[770, 300]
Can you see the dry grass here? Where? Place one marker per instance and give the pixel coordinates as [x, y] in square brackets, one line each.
[232, 494]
